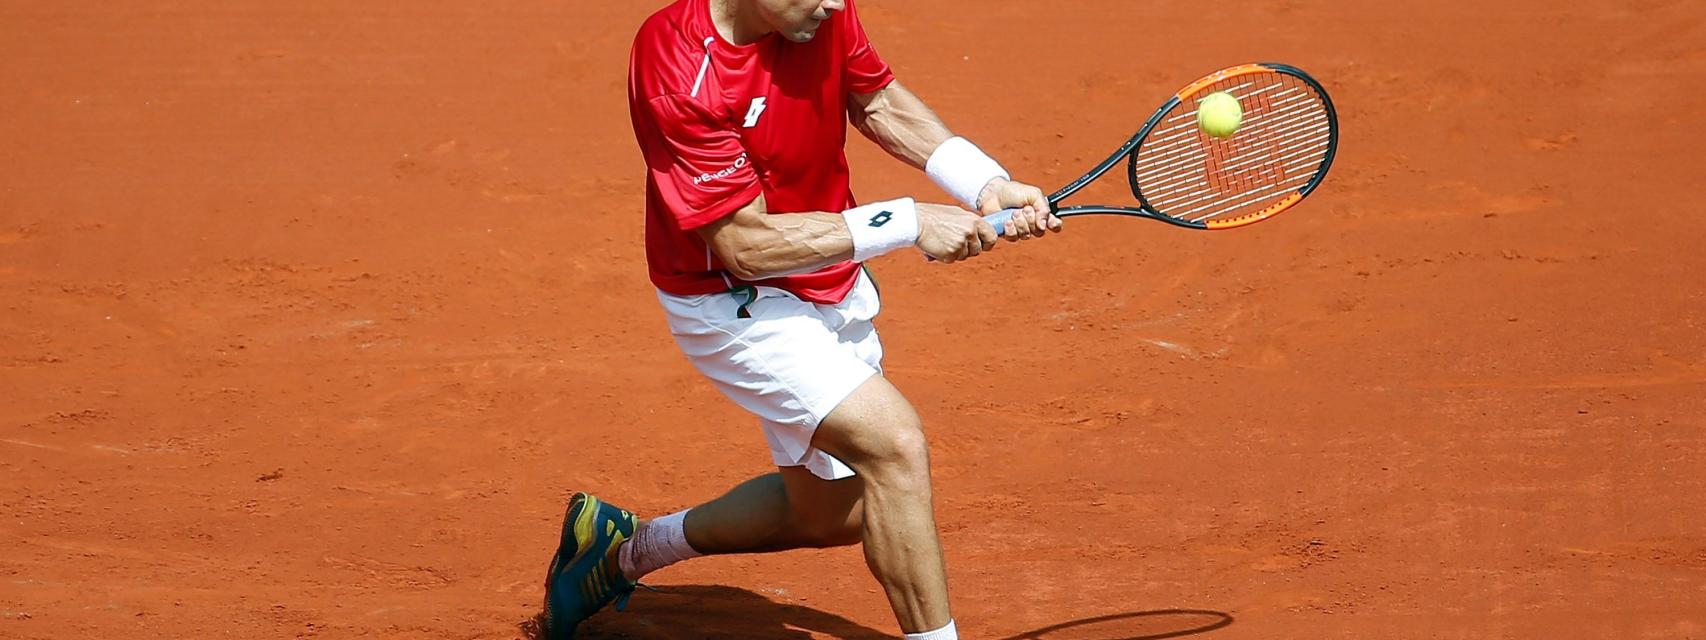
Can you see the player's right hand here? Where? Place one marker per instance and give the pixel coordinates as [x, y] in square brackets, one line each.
[951, 234]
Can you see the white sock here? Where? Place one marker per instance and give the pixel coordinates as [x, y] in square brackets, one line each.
[944, 633]
[658, 544]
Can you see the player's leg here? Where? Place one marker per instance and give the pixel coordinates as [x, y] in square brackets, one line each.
[822, 513]
[887, 506]
[790, 509]
[811, 372]
[877, 432]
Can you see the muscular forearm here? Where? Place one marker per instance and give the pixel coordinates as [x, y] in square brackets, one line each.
[899, 122]
[755, 245]
[789, 244]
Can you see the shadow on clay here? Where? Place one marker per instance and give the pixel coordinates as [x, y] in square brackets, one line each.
[1134, 625]
[695, 612]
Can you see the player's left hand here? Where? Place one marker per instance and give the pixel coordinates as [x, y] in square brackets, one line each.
[1033, 218]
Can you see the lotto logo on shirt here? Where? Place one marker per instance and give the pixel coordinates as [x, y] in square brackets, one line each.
[753, 111]
[729, 171]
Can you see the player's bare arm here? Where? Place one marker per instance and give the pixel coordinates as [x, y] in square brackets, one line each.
[897, 120]
[754, 245]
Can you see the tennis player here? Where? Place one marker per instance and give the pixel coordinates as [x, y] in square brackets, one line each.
[755, 244]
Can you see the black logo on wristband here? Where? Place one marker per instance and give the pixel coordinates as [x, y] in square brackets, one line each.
[881, 219]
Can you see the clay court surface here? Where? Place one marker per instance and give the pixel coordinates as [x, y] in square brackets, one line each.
[315, 312]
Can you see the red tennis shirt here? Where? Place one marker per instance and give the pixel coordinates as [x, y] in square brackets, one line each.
[719, 124]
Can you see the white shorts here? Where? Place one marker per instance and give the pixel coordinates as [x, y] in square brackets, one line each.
[790, 363]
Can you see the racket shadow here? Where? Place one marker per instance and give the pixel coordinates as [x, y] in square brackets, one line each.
[1135, 625]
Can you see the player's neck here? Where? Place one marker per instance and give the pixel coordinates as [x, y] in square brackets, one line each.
[738, 22]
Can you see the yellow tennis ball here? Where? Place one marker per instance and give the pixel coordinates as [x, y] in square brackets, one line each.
[1219, 114]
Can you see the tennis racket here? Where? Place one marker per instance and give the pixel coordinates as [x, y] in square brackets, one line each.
[1183, 176]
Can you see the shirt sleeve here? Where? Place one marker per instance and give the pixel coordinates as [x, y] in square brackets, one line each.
[865, 71]
[700, 168]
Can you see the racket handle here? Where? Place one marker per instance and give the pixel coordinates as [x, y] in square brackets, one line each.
[1000, 219]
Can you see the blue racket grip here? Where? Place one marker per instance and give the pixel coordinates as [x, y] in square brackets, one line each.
[1000, 219]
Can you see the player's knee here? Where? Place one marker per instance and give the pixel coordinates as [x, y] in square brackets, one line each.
[902, 454]
[879, 434]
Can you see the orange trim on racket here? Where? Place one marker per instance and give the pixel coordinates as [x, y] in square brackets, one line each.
[1232, 72]
[1253, 218]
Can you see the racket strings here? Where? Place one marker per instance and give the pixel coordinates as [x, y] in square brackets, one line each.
[1285, 137]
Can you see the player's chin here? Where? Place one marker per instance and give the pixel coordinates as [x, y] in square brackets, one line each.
[804, 34]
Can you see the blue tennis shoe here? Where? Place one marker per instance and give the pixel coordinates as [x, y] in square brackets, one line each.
[581, 581]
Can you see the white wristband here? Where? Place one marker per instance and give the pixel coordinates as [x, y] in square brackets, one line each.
[963, 170]
[881, 227]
